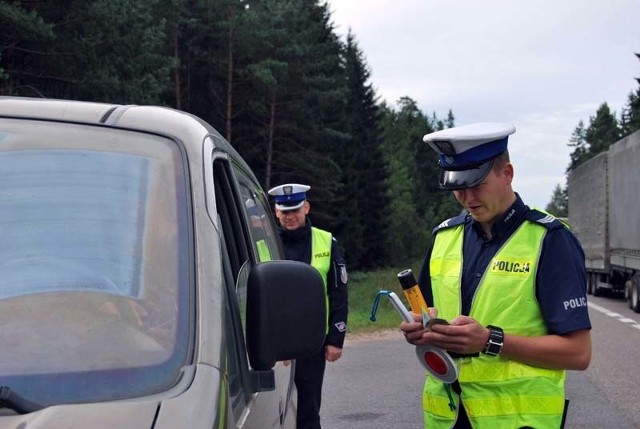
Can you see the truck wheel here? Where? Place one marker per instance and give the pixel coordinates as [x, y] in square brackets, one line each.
[589, 284]
[627, 293]
[635, 295]
[596, 290]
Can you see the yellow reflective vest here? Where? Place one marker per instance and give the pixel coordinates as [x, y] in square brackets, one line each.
[497, 393]
[321, 259]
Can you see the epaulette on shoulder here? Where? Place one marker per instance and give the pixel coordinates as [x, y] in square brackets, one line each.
[453, 221]
[545, 219]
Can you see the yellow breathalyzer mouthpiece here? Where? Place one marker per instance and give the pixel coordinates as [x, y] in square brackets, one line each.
[412, 292]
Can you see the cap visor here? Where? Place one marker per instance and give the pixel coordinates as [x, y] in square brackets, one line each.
[284, 208]
[452, 180]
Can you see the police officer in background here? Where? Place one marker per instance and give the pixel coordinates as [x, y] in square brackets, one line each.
[507, 278]
[305, 243]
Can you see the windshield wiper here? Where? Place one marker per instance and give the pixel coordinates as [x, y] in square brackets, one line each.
[10, 399]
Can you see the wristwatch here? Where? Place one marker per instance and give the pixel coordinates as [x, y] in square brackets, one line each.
[495, 341]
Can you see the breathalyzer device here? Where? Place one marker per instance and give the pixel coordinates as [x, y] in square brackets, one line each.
[435, 360]
[416, 300]
[412, 291]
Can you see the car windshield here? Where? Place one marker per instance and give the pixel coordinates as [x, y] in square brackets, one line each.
[94, 276]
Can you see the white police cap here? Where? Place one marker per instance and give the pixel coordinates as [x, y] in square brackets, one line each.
[290, 196]
[467, 152]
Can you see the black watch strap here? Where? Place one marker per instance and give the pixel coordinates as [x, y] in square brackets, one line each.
[495, 342]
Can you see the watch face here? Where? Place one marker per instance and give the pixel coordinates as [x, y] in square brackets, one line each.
[494, 349]
[496, 341]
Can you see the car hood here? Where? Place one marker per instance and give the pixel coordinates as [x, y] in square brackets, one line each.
[139, 415]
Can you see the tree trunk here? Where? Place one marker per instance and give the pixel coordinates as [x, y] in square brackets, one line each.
[176, 75]
[229, 109]
[272, 125]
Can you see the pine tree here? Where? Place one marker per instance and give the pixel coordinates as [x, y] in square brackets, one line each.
[630, 121]
[450, 122]
[559, 205]
[405, 234]
[98, 50]
[578, 141]
[603, 131]
[416, 204]
[363, 165]
[289, 122]
[323, 92]
[25, 39]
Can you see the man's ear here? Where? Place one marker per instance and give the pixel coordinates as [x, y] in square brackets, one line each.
[508, 172]
[306, 207]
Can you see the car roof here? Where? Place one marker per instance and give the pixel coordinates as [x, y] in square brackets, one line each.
[183, 126]
[63, 110]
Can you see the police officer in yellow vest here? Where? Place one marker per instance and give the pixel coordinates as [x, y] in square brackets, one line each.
[257, 224]
[305, 243]
[511, 282]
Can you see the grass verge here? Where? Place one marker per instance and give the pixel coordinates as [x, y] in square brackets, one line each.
[363, 287]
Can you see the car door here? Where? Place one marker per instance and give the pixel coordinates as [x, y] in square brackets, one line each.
[250, 409]
[265, 245]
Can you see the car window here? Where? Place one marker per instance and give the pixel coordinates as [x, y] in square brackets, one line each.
[94, 263]
[249, 237]
[262, 228]
[236, 265]
[58, 206]
[265, 244]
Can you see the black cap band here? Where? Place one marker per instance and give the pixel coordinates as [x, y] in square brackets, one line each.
[452, 180]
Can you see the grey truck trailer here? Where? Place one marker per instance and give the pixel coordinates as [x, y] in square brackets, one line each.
[604, 212]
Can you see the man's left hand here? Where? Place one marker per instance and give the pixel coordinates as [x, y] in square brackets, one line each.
[464, 335]
[332, 353]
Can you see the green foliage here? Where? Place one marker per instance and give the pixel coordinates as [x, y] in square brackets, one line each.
[603, 130]
[416, 204]
[406, 233]
[273, 77]
[578, 141]
[289, 102]
[361, 160]
[630, 121]
[559, 205]
[22, 32]
[363, 287]
[101, 50]
[631, 114]
[17, 23]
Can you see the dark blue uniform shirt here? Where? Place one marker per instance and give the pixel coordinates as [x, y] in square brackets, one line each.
[560, 280]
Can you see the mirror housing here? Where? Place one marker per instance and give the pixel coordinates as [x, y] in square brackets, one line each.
[286, 312]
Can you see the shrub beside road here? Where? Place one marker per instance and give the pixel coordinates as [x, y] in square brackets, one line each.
[363, 287]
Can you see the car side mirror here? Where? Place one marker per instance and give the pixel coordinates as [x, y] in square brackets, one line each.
[286, 312]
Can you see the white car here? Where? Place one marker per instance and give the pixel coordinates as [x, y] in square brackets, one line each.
[141, 280]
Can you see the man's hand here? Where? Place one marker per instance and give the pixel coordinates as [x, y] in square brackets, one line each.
[464, 335]
[413, 331]
[332, 353]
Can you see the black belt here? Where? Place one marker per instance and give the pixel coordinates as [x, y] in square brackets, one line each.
[462, 355]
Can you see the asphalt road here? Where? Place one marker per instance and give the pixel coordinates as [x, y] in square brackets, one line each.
[378, 382]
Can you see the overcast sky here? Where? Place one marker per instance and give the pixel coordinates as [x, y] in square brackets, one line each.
[541, 65]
